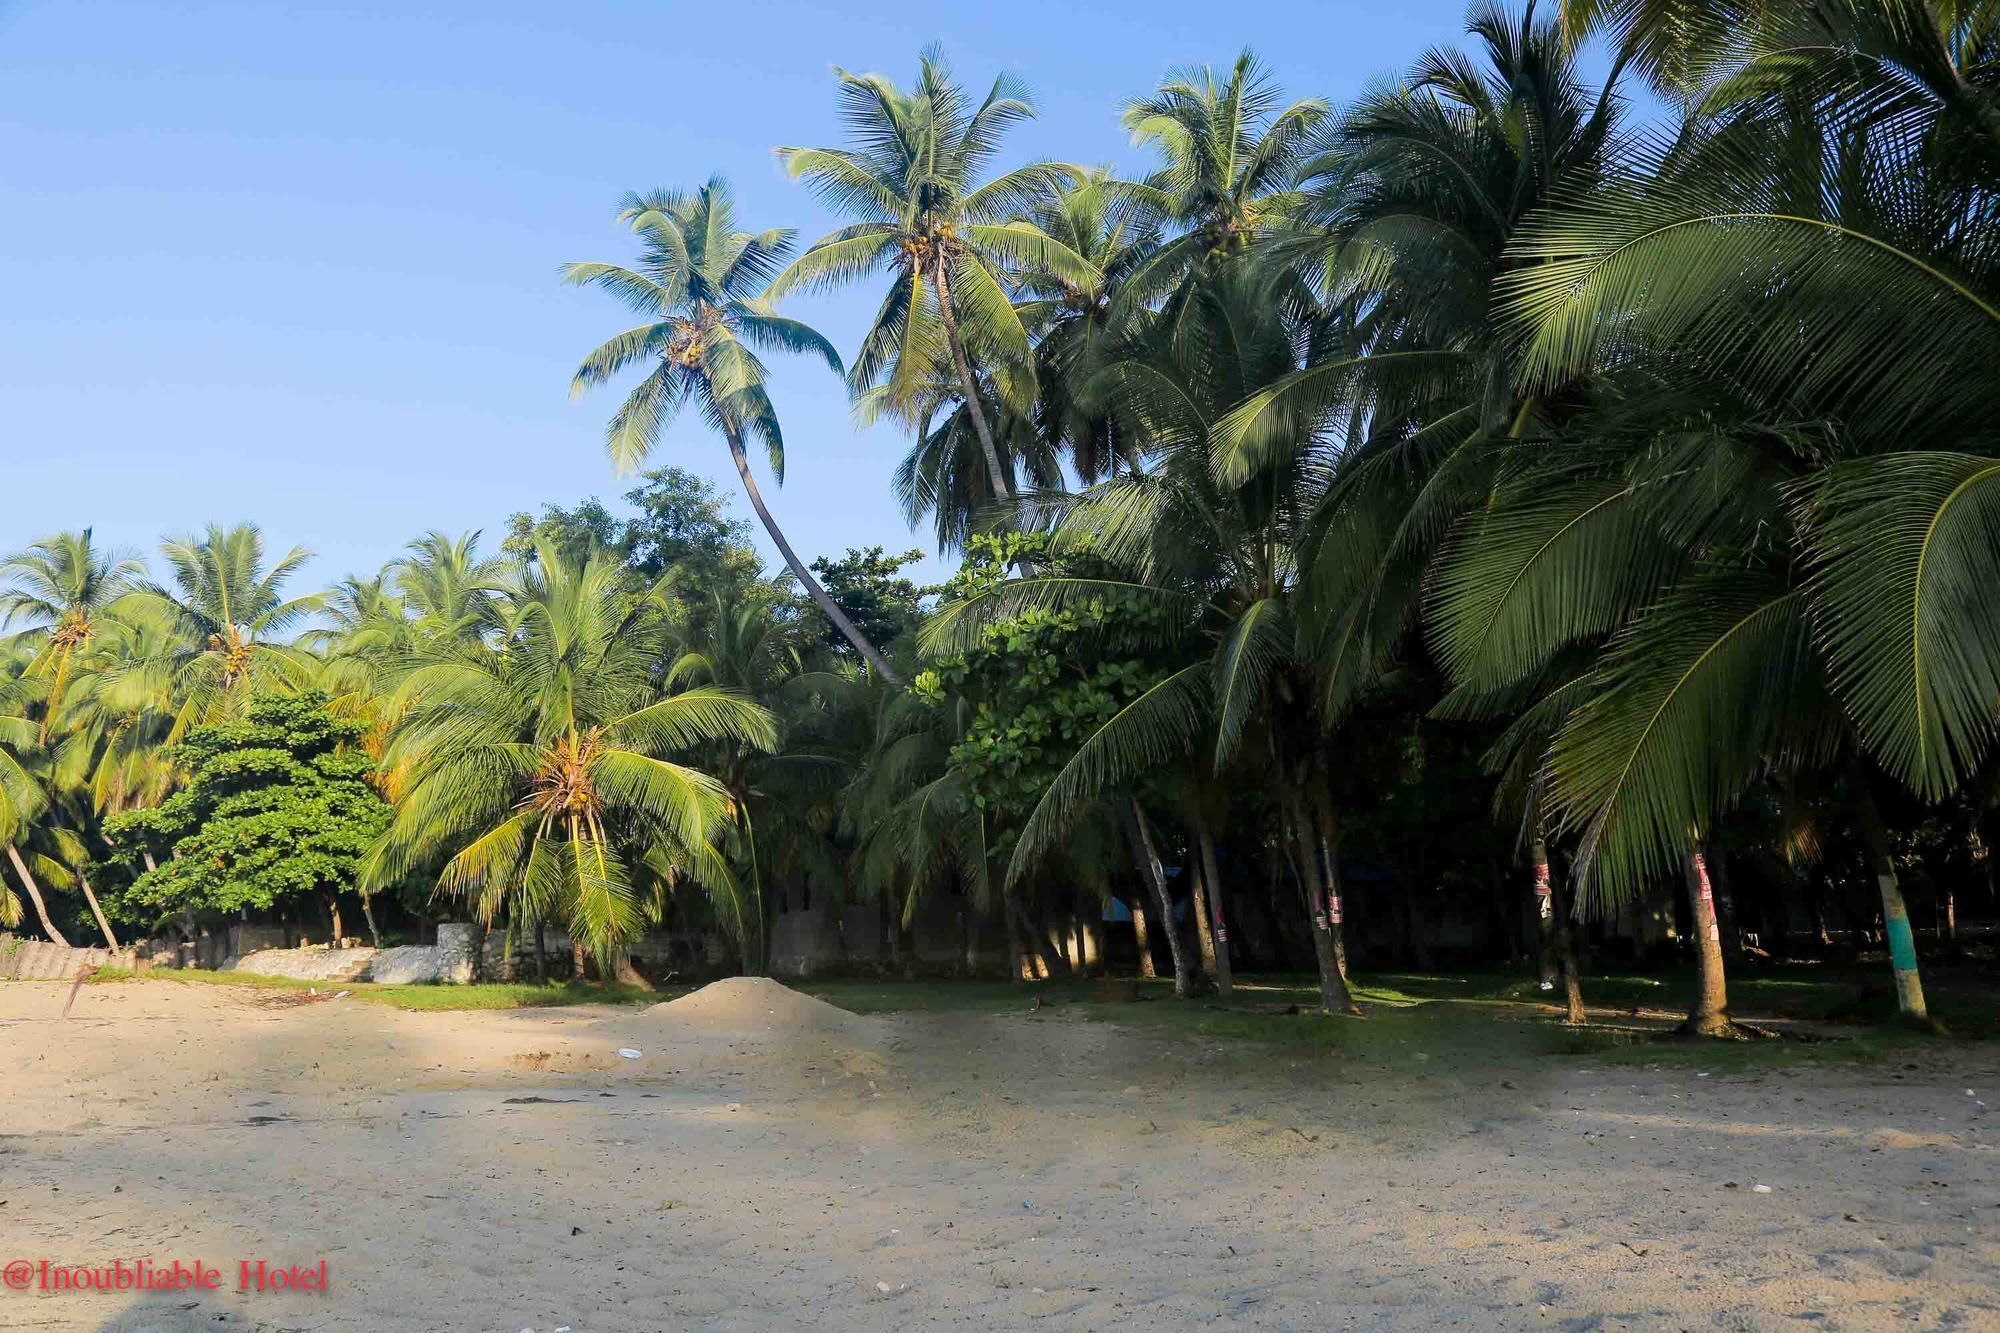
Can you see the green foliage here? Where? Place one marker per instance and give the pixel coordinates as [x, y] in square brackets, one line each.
[865, 584]
[278, 805]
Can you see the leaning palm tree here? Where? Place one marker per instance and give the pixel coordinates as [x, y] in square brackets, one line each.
[544, 772]
[62, 586]
[912, 182]
[694, 284]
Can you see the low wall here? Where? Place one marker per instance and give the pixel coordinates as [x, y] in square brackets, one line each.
[449, 961]
[39, 960]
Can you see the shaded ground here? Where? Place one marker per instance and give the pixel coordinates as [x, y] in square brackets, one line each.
[960, 1158]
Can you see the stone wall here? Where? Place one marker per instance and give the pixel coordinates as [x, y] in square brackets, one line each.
[39, 960]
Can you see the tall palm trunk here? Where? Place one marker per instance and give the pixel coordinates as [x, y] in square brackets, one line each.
[1211, 886]
[1895, 915]
[1710, 1015]
[103, 923]
[968, 386]
[1155, 875]
[35, 895]
[831, 609]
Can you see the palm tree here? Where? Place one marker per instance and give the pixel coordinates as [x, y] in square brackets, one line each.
[540, 772]
[1799, 300]
[219, 628]
[447, 584]
[1116, 226]
[913, 183]
[694, 284]
[1229, 152]
[62, 586]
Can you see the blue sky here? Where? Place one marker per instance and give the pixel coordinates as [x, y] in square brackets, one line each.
[296, 263]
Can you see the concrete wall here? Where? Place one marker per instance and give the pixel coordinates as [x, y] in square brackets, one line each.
[39, 960]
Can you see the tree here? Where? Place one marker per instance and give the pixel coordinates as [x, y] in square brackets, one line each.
[683, 524]
[694, 283]
[912, 183]
[1229, 152]
[218, 628]
[539, 773]
[866, 584]
[277, 807]
[62, 586]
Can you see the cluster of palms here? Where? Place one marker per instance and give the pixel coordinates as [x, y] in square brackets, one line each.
[1667, 453]
[1665, 456]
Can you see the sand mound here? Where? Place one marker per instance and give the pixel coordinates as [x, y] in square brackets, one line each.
[753, 1006]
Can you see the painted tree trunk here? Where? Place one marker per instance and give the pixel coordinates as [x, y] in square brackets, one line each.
[828, 607]
[35, 896]
[1550, 895]
[1336, 915]
[969, 386]
[1710, 1015]
[1211, 885]
[1548, 955]
[1895, 915]
[103, 924]
[1148, 857]
[1334, 997]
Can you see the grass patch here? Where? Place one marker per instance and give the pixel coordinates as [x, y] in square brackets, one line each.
[480, 995]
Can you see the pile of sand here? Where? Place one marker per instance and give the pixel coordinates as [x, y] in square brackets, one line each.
[758, 1007]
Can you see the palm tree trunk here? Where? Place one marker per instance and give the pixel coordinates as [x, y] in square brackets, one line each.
[103, 924]
[1334, 997]
[1144, 937]
[1148, 858]
[828, 607]
[1211, 886]
[1560, 940]
[541, 953]
[368, 914]
[1710, 1015]
[35, 895]
[1336, 927]
[1895, 915]
[968, 386]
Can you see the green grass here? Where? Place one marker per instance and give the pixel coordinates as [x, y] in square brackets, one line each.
[481, 995]
[1452, 1019]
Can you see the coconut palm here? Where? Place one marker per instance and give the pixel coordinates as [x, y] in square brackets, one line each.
[912, 182]
[1812, 297]
[62, 586]
[1229, 151]
[694, 283]
[1116, 226]
[216, 634]
[543, 772]
[447, 585]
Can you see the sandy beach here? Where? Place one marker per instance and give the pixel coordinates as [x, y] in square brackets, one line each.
[769, 1162]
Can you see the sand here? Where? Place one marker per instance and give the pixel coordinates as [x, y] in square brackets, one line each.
[768, 1163]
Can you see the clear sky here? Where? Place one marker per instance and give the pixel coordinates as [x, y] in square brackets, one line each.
[296, 262]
